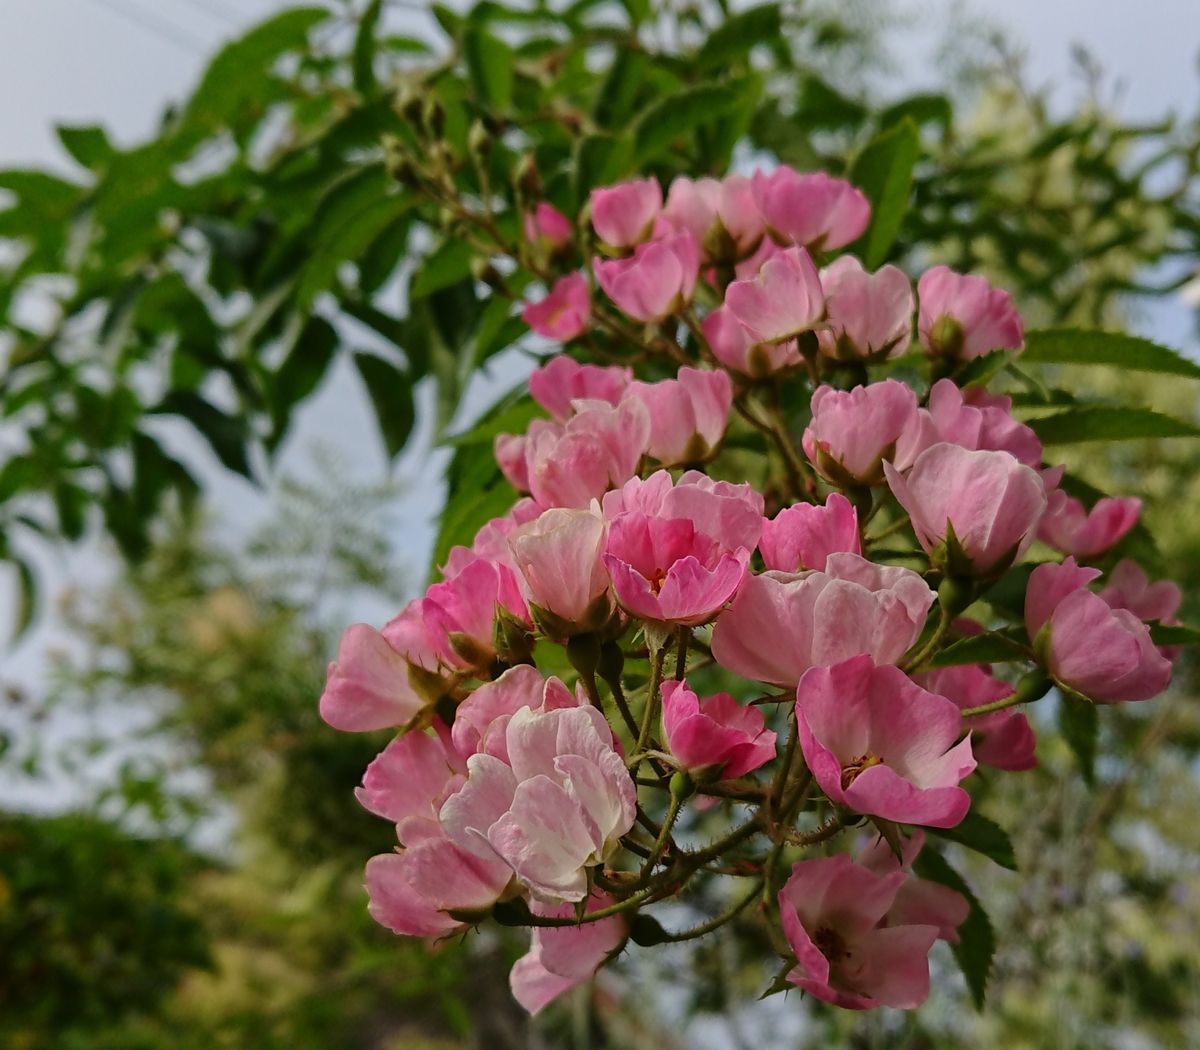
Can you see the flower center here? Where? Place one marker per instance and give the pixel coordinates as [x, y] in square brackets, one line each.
[852, 769]
[657, 580]
[830, 944]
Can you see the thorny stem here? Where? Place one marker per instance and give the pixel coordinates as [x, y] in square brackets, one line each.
[718, 921]
[643, 737]
[660, 843]
[683, 637]
[618, 694]
[820, 833]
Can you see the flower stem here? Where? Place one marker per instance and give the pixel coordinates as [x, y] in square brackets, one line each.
[718, 921]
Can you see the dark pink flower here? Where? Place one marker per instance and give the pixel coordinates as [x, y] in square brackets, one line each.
[481, 721]
[879, 744]
[548, 228]
[919, 902]
[410, 779]
[833, 912]
[564, 313]
[716, 737]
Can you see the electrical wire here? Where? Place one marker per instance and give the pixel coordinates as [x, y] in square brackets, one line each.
[163, 28]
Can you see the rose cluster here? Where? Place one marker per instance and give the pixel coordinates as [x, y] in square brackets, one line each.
[735, 590]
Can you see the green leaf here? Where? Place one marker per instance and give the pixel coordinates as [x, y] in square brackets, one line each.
[821, 107]
[980, 649]
[664, 120]
[1174, 634]
[18, 474]
[980, 370]
[364, 48]
[233, 82]
[225, 434]
[884, 172]
[600, 160]
[26, 598]
[490, 64]
[446, 265]
[921, 109]
[305, 366]
[1077, 346]
[1079, 724]
[982, 835]
[391, 394]
[1107, 423]
[733, 39]
[513, 418]
[87, 144]
[977, 940]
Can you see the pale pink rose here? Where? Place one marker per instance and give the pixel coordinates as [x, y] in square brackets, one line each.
[558, 556]
[919, 902]
[368, 686]
[992, 503]
[1002, 739]
[728, 512]
[715, 737]
[1071, 528]
[833, 913]
[1104, 653]
[869, 314]
[564, 313]
[410, 779]
[688, 415]
[976, 419]
[811, 209]
[481, 721]
[750, 266]
[563, 380]
[1130, 588]
[737, 348]
[509, 450]
[413, 892]
[666, 570]
[853, 433]
[721, 214]
[879, 744]
[963, 316]
[563, 957]
[548, 228]
[623, 215]
[598, 448]
[557, 807]
[781, 624]
[803, 535]
[655, 281]
[783, 300]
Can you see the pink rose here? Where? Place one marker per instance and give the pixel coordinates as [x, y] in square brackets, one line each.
[563, 380]
[833, 913]
[721, 214]
[481, 720]
[1001, 739]
[548, 228]
[813, 209]
[1104, 653]
[655, 281]
[715, 737]
[781, 624]
[738, 348]
[623, 215]
[854, 432]
[688, 415]
[976, 419]
[783, 300]
[879, 744]
[804, 535]
[919, 902]
[1069, 527]
[869, 314]
[990, 503]
[964, 316]
[558, 806]
[564, 313]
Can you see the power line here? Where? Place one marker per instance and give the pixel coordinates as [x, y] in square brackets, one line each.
[161, 27]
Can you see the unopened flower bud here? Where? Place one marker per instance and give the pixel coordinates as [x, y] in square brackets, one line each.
[479, 140]
[434, 117]
[527, 179]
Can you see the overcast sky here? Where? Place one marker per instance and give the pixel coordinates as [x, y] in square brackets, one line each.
[118, 62]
